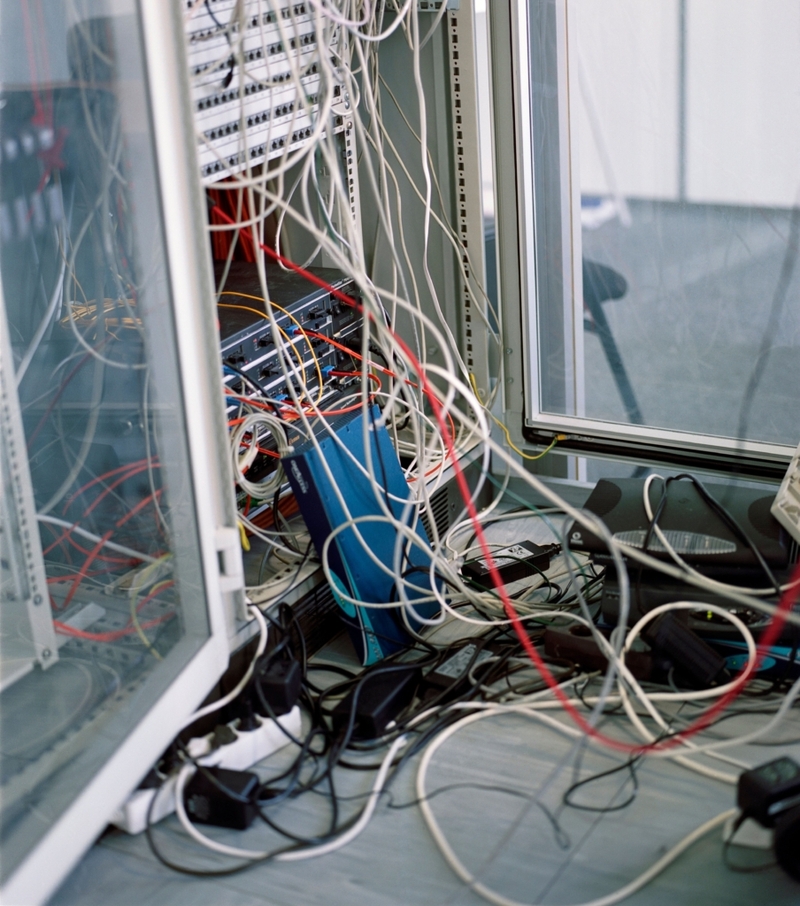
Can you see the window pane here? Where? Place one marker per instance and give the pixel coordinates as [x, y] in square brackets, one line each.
[683, 142]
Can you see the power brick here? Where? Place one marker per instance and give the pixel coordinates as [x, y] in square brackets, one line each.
[451, 676]
[280, 682]
[695, 659]
[381, 697]
[221, 797]
[769, 790]
[577, 644]
[517, 561]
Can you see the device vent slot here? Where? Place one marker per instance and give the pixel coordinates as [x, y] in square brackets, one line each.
[441, 513]
[318, 617]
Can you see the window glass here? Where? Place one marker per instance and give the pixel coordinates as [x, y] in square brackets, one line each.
[103, 601]
[678, 143]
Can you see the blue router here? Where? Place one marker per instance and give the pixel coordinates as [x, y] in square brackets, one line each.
[375, 632]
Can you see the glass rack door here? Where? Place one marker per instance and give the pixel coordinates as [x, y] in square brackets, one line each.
[109, 606]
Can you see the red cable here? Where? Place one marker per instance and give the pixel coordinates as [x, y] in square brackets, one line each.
[110, 474]
[116, 634]
[113, 636]
[81, 575]
[770, 635]
[114, 484]
[372, 377]
[138, 508]
[39, 118]
[355, 355]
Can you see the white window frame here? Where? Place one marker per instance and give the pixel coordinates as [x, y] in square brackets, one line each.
[538, 34]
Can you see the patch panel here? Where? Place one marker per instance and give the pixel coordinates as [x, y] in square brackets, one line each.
[305, 320]
[219, 99]
[284, 107]
[256, 83]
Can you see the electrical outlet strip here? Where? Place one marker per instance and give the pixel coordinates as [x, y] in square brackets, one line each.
[245, 750]
[786, 508]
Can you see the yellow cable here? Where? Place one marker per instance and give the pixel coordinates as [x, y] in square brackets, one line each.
[283, 332]
[528, 456]
[243, 535]
[135, 590]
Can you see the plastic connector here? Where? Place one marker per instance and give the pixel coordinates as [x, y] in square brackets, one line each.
[769, 790]
[243, 751]
[221, 797]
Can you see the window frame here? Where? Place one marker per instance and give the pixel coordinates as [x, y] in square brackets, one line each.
[539, 262]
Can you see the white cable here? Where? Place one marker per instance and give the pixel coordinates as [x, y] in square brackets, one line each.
[242, 461]
[55, 302]
[90, 536]
[295, 855]
[363, 820]
[677, 557]
[256, 614]
[425, 446]
[498, 899]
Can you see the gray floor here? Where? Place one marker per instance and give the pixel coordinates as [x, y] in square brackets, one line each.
[511, 845]
[508, 842]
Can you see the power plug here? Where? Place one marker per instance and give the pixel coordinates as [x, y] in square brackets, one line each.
[227, 747]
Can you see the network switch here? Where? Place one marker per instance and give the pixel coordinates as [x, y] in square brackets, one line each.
[314, 330]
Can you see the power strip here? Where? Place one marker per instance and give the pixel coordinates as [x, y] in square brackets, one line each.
[786, 508]
[244, 750]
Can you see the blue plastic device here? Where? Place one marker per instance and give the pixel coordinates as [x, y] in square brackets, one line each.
[375, 632]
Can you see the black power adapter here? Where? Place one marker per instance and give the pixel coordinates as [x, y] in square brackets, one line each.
[517, 561]
[447, 681]
[221, 797]
[280, 681]
[770, 795]
[768, 790]
[382, 695]
[694, 658]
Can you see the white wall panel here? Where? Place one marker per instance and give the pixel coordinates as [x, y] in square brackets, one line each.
[743, 102]
[627, 95]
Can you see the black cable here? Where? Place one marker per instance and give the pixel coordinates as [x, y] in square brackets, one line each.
[281, 530]
[332, 668]
[286, 611]
[722, 513]
[562, 838]
[226, 29]
[728, 842]
[629, 765]
[269, 792]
